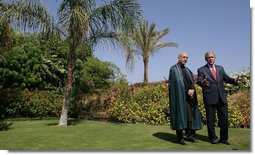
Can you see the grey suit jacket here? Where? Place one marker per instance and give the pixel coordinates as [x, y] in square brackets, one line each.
[215, 90]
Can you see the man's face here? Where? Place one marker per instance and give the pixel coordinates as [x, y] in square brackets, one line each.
[210, 59]
[183, 58]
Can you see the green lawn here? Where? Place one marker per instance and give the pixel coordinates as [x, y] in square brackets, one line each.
[103, 136]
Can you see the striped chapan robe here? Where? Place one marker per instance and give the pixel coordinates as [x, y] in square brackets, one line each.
[177, 98]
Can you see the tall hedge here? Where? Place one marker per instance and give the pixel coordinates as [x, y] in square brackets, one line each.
[149, 105]
[139, 104]
[16, 103]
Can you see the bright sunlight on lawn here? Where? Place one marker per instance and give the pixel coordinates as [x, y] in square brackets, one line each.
[103, 136]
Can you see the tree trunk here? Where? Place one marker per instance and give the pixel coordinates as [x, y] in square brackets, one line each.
[145, 63]
[68, 88]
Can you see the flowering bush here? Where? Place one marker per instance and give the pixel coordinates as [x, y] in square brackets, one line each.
[245, 85]
[147, 104]
[238, 108]
[241, 102]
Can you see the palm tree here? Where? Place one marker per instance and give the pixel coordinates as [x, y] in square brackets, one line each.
[145, 42]
[21, 15]
[82, 22]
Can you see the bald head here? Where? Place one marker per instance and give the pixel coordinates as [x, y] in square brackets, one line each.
[182, 53]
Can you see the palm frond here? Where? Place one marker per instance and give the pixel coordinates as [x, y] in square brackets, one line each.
[74, 17]
[121, 14]
[26, 14]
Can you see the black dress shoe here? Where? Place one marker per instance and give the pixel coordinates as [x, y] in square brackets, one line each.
[191, 139]
[214, 141]
[224, 142]
[182, 142]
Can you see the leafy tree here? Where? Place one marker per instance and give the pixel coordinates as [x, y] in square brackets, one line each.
[96, 73]
[38, 62]
[34, 63]
[94, 79]
[145, 42]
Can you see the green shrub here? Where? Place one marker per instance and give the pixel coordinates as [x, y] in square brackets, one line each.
[4, 125]
[245, 85]
[241, 101]
[234, 119]
[92, 81]
[201, 104]
[34, 63]
[15, 103]
[238, 108]
[91, 107]
[146, 104]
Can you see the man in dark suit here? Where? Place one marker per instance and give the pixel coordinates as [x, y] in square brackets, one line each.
[211, 78]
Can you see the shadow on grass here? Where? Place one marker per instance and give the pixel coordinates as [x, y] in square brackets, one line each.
[166, 136]
[202, 137]
[69, 123]
[172, 137]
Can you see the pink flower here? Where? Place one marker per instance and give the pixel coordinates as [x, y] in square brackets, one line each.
[135, 87]
[167, 94]
[165, 81]
[90, 83]
[195, 78]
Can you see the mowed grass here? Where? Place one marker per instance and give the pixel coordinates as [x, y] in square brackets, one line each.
[45, 135]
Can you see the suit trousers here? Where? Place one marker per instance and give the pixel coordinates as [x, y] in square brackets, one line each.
[222, 112]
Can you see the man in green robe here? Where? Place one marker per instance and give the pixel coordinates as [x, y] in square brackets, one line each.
[184, 110]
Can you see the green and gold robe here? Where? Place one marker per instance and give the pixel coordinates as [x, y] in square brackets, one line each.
[177, 99]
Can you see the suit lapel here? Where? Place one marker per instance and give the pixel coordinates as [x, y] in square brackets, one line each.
[210, 72]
